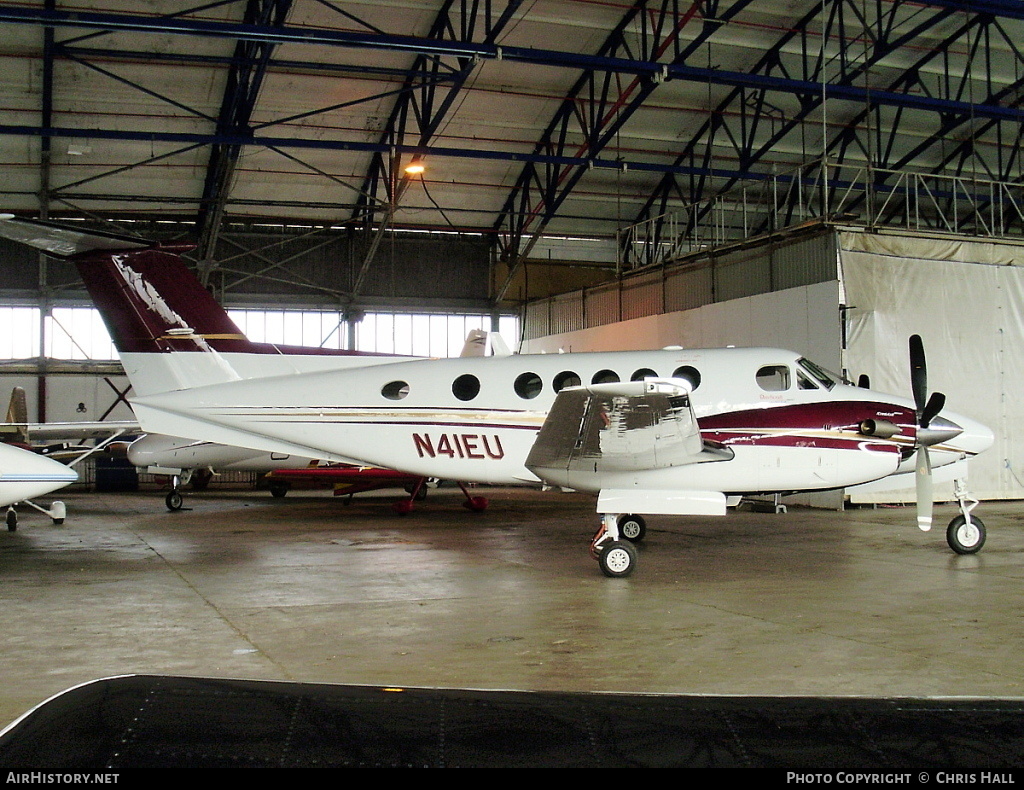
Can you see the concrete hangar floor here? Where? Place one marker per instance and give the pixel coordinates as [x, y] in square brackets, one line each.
[304, 588]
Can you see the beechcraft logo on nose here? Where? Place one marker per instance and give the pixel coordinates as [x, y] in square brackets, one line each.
[459, 445]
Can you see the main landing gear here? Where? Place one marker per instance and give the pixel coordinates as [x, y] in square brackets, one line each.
[404, 506]
[199, 478]
[174, 500]
[612, 546]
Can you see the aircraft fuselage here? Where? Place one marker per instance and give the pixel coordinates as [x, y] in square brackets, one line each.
[789, 425]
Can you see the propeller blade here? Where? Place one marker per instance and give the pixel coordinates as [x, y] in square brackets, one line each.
[924, 489]
[918, 372]
[935, 404]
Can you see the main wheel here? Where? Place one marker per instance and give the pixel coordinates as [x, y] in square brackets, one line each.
[278, 489]
[174, 500]
[632, 528]
[618, 559]
[12, 521]
[966, 538]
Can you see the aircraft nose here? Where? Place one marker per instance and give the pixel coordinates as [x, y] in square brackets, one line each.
[971, 436]
[976, 438]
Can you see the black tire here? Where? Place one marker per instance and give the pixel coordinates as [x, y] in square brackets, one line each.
[278, 490]
[174, 500]
[632, 528]
[964, 540]
[12, 521]
[420, 493]
[618, 559]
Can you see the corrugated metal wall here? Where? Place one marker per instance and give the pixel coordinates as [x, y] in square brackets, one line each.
[720, 276]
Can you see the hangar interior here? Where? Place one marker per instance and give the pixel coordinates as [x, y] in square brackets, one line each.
[829, 177]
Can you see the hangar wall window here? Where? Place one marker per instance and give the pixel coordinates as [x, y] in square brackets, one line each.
[427, 335]
[19, 332]
[68, 333]
[323, 329]
[78, 333]
[415, 334]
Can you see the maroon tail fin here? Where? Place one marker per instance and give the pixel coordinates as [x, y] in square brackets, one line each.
[149, 299]
[151, 302]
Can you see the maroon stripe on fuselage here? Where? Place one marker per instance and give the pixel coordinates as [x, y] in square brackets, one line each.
[808, 417]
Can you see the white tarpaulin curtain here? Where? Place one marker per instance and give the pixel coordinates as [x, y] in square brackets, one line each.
[965, 299]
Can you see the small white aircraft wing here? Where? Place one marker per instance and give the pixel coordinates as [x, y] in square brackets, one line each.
[17, 428]
[79, 430]
[609, 435]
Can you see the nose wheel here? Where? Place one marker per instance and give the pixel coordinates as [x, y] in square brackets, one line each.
[966, 537]
[965, 533]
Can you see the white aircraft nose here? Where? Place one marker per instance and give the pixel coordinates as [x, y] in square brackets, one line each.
[24, 474]
[974, 438]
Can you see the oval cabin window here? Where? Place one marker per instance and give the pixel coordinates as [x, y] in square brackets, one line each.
[605, 377]
[690, 374]
[528, 385]
[466, 387]
[395, 390]
[565, 379]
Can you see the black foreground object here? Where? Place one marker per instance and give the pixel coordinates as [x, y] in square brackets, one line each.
[142, 721]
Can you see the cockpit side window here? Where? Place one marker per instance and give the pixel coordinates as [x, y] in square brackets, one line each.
[773, 378]
[803, 382]
[819, 374]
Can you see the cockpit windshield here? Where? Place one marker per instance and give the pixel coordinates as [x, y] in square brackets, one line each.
[822, 376]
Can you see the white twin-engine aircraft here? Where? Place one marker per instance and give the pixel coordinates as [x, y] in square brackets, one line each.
[663, 432]
[650, 432]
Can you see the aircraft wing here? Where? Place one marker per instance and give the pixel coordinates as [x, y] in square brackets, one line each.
[52, 431]
[612, 435]
[346, 479]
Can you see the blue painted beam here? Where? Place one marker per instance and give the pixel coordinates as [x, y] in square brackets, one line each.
[187, 138]
[654, 70]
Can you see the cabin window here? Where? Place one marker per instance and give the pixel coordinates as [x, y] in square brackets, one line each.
[466, 387]
[773, 378]
[565, 379]
[395, 390]
[605, 377]
[528, 385]
[689, 374]
[643, 373]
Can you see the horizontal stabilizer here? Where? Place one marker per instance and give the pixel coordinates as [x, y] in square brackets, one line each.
[62, 241]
